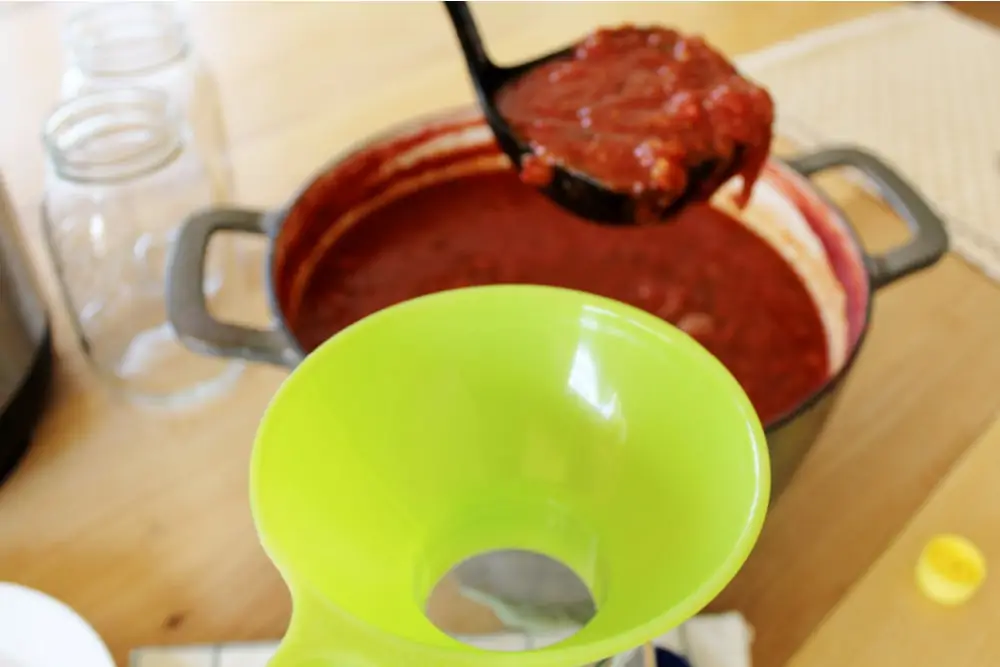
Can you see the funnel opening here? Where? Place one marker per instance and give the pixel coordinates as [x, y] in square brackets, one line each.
[517, 591]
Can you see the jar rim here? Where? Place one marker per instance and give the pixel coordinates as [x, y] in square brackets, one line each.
[125, 39]
[113, 135]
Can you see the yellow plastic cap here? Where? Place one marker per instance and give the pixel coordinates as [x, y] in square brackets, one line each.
[950, 569]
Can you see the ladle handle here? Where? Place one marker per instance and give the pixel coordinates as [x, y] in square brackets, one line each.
[484, 72]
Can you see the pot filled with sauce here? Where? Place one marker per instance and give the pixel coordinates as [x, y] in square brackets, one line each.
[779, 291]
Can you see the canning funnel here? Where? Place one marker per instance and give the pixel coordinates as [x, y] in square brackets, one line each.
[491, 419]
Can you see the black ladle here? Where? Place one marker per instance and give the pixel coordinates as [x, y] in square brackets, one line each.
[570, 189]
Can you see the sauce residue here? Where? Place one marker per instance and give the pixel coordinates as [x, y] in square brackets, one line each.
[645, 111]
[705, 272]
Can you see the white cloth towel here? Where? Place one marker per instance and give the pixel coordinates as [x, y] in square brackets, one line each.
[709, 640]
[916, 84]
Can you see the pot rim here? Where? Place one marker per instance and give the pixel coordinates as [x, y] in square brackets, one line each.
[834, 380]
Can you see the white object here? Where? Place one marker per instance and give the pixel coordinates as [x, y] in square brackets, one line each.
[39, 631]
[711, 640]
[918, 86]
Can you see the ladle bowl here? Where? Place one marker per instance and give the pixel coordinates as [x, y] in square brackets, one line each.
[574, 190]
[503, 417]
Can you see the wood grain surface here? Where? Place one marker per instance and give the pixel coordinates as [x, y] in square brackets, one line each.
[885, 621]
[139, 520]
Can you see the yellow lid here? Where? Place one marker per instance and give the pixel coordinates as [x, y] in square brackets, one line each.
[950, 569]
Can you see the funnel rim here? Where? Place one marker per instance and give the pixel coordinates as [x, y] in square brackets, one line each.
[459, 653]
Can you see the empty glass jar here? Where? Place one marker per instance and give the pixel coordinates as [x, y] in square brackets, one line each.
[148, 44]
[122, 173]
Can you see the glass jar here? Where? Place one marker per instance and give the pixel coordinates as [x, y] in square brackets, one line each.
[122, 173]
[111, 45]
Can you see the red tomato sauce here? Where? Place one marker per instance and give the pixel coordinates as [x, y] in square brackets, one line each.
[641, 110]
[704, 272]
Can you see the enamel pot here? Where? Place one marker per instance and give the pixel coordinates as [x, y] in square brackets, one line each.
[787, 211]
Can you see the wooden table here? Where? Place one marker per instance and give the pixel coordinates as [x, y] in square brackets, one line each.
[139, 520]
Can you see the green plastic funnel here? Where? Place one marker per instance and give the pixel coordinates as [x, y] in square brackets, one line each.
[507, 417]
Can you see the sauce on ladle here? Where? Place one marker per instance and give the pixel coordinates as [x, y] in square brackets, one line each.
[629, 125]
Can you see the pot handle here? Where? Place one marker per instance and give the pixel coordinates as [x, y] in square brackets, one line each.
[929, 241]
[186, 305]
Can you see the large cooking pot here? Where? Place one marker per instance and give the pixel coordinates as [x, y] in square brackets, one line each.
[786, 211]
